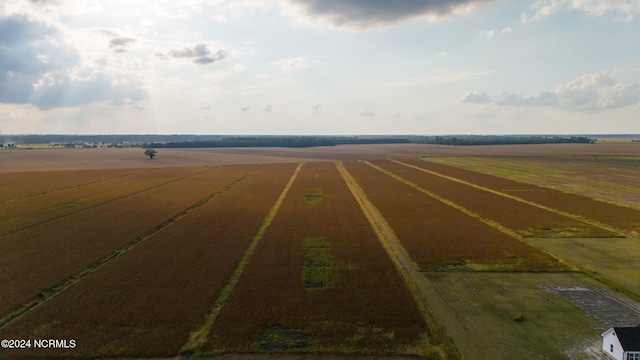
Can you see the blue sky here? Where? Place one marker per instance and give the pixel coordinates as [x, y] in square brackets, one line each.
[320, 67]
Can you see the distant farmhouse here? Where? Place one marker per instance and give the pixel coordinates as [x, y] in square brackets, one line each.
[622, 343]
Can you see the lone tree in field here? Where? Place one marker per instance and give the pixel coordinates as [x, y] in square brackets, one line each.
[150, 153]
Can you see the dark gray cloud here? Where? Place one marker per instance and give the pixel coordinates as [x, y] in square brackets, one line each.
[590, 93]
[246, 108]
[367, 114]
[267, 108]
[29, 47]
[362, 14]
[118, 43]
[200, 54]
[35, 67]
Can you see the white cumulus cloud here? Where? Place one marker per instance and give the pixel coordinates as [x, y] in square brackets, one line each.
[591, 92]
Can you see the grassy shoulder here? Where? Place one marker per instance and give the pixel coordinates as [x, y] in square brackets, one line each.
[509, 316]
[613, 260]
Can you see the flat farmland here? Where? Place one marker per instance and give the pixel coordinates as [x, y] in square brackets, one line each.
[41, 257]
[91, 189]
[609, 178]
[318, 253]
[440, 237]
[23, 184]
[319, 281]
[148, 300]
[620, 217]
[525, 219]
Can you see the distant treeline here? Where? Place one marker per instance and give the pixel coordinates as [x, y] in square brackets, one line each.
[284, 141]
[295, 141]
[505, 140]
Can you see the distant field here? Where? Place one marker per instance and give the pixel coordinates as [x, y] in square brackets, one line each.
[384, 250]
[73, 159]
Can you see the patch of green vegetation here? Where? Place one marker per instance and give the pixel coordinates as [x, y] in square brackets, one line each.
[511, 313]
[279, 337]
[315, 196]
[319, 270]
[612, 259]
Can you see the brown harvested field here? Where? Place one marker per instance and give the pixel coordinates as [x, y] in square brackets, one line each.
[24, 184]
[73, 159]
[89, 191]
[523, 218]
[439, 237]
[138, 252]
[147, 301]
[45, 255]
[319, 281]
[620, 217]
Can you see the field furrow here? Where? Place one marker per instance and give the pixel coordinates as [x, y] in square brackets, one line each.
[25, 212]
[525, 219]
[319, 281]
[43, 256]
[620, 217]
[440, 237]
[148, 300]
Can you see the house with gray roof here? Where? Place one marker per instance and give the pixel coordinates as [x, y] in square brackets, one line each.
[622, 343]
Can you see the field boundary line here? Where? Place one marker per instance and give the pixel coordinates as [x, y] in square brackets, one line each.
[528, 202]
[47, 294]
[109, 201]
[199, 337]
[486, 221]
[404, 265]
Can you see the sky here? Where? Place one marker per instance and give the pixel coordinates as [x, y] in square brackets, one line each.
[430, 67]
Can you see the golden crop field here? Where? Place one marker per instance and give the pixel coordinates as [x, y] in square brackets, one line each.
[394, 251]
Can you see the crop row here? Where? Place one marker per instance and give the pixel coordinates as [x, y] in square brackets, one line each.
[438, 236]
[319, 280]
[44, 256]
[624, 218]
[147, 301]
[523, 218]
[21, 213]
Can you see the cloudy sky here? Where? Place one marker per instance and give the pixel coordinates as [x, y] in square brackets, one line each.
[319, 66]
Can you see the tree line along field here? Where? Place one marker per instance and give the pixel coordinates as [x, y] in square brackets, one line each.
[270, 258]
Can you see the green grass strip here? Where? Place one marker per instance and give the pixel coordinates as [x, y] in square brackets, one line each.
[53, 291]
[474, 215]
[199, 337]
